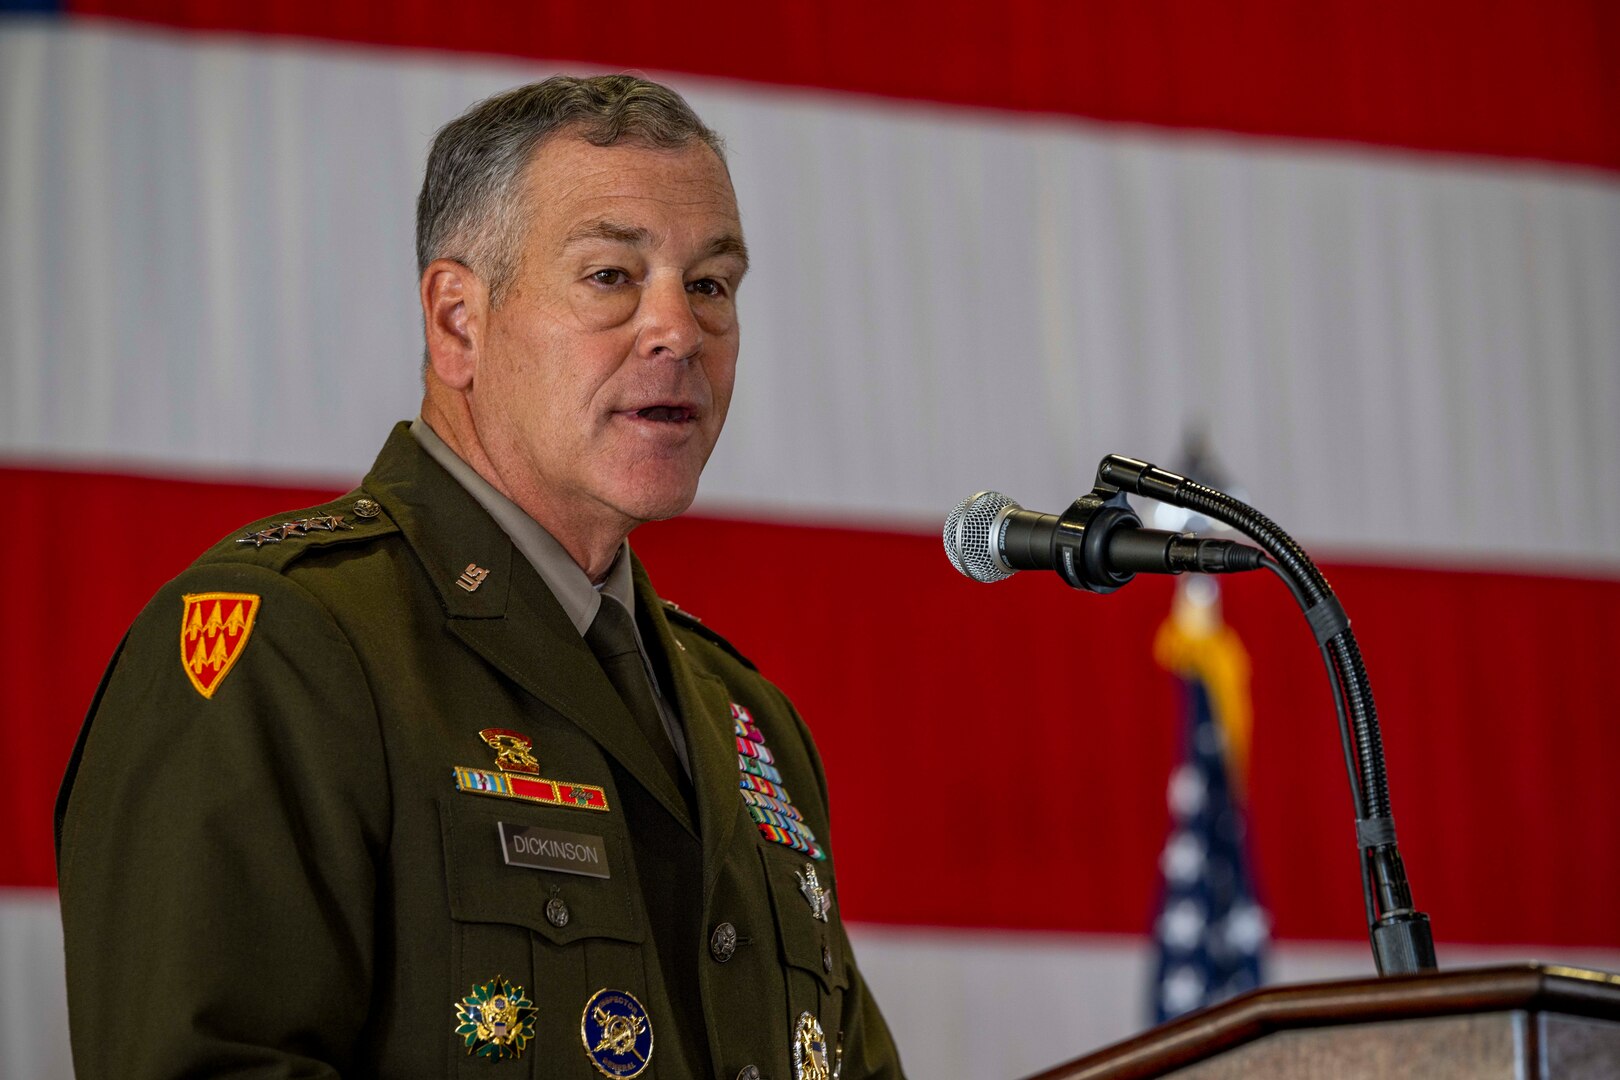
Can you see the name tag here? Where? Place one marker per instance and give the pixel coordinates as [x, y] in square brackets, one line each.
[553, 849]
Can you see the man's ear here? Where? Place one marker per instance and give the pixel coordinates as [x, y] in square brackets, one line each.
[454, 308]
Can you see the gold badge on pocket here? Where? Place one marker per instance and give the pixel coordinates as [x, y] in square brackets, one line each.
[496, 1020]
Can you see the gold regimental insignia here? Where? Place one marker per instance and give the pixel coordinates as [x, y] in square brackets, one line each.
[496, 1020]
[514, 752]
[809, 1049]
[516, 776]
[820, 899]
[214, 629]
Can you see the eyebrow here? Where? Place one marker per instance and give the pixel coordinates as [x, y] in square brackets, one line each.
[601, 229]
[728, 244]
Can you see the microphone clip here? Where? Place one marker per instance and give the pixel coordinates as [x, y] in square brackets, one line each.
[1080, 542]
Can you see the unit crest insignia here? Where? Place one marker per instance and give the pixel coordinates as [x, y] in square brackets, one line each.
[513, 751]
[214, 629]
[809, 1050]
[515, 776]
[617, 1034]
[496, 1020]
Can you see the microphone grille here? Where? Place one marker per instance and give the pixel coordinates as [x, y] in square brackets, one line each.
[968, 540]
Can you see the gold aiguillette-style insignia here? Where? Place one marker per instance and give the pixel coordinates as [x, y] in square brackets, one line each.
[496, 1020]
[214, 629]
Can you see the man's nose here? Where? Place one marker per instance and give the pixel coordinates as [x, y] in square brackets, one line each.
[669, 325]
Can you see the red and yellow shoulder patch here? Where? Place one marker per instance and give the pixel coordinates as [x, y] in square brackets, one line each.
[214, 629]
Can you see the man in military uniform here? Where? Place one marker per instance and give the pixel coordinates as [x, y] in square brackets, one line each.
[428, 781]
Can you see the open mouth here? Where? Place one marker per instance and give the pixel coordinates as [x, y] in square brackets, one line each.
[667, 414]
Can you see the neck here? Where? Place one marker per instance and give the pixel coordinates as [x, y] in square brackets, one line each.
[592, 542]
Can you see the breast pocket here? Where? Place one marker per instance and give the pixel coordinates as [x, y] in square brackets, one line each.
[811, 940]
[543, 903]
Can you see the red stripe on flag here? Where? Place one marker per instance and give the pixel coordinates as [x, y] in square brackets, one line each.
[1517, 78]
[84, 553]
[1026, 723]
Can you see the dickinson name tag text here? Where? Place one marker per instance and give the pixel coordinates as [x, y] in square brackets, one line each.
[553, 849]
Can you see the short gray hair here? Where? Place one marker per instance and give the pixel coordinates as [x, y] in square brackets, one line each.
[471, 208]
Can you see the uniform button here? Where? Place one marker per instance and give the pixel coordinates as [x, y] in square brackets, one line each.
[749, 1072]
[722, 943]
[557, 912]
[826, 959]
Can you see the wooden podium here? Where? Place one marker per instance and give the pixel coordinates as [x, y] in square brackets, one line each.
[1519, 1022]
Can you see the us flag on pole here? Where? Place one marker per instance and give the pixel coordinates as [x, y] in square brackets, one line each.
[1211, 932]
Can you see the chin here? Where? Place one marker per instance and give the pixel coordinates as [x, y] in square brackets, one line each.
[658, 505]
[657, 489]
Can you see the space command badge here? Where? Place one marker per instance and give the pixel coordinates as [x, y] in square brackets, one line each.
[809, 1050]
[214, 629]
[496, 1020]
[617, 1033]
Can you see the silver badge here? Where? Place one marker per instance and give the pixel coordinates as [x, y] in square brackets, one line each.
[809, 1050]
[820, 899]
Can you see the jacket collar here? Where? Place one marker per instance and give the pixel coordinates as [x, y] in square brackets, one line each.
[511, 619]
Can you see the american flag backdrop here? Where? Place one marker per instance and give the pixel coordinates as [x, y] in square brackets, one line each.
[1372, 250]
[1212, 929]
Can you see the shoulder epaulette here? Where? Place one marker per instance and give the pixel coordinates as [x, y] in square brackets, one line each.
[281, 539]
[681, 617]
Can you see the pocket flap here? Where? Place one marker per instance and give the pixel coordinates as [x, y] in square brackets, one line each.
[484, 887]
[807, 941]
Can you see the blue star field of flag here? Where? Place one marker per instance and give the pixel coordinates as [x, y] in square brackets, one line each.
[1211, 933]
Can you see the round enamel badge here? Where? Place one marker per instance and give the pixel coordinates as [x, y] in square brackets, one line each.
[617, 1033]
[809, 1050]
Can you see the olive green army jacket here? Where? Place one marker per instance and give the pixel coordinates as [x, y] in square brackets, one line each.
[359, 801]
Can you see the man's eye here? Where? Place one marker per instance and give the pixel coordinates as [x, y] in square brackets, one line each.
[707, 287]
[610, 277]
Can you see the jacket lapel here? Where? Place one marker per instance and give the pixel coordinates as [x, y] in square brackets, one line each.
[705, 708]
[511, 619]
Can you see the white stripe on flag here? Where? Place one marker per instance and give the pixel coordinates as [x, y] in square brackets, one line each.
[1385, 347]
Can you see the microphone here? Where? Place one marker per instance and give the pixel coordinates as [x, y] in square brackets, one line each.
[1098, 544]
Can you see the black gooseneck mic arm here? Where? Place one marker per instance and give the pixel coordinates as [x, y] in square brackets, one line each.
[1400, 935]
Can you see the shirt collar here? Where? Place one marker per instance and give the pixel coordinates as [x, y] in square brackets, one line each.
[568, 583]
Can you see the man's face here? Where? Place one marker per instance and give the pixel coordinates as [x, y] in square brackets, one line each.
[606, 371]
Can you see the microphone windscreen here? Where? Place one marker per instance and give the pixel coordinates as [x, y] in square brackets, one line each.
[969, 539]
